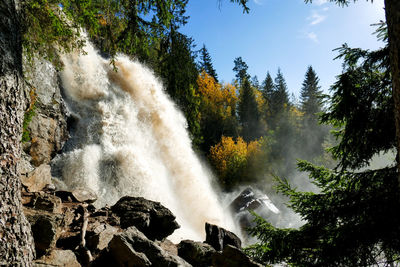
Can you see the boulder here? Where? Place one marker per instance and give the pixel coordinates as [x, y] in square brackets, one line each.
[65, 258]
[218, 237]
[151, 218]
[84, 195]
[232, 257]
[196, 253]
[99, 238]
[37, 179]
[133, 243]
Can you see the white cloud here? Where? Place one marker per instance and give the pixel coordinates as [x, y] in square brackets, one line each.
[258, 2]
[316, 18]
[313, 37]
[320, 2]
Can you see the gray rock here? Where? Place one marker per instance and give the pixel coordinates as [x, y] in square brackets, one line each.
[133, 239]
[38, 179]
[121, 248]
[48, 135]
[84, 195]
[65, 258]
[99, 238]
[218, 237]
[232, 257]
[151, 218]
[196, 253]
[48, 127]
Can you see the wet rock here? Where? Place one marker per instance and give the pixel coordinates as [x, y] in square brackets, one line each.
[99, 238]
[218, 237]
[151, 218]
[133, 240]
[38, 179]
[84, 195]
[232, 257]
[196, 253]
[65, 258]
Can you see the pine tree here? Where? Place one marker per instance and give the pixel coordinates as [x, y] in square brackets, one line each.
[280, 97]
[311, 95]
[353, 220]
[240, 69]
[312, 133]
[206, 63]
[249, 115]
[179, 71]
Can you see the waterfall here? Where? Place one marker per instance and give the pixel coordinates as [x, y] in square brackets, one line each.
[130, 139]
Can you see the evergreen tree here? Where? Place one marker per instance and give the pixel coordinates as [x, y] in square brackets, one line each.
[254, 82]
[240, 69]
[311, 95]
[179, 71]
[249, 115]
[206, 63]
[267, 90]
[280, 97]
[313, 134]
[352, 221]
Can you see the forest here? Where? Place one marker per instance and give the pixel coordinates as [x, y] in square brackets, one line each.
[249, 132]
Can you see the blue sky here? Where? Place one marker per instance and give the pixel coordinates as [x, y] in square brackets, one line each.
[282, 33]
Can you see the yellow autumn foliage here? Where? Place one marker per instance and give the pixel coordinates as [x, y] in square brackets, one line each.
[220, 99]
[231, 159]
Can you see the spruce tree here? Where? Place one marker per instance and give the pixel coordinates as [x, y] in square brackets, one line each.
[206, 63]
[280, 96]
[353, 220]
[249, 115]
[311, 102]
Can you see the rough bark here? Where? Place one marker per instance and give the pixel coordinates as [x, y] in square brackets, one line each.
[392, 9]
[16, 243]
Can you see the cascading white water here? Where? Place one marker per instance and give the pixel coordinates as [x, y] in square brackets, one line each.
[130, 139]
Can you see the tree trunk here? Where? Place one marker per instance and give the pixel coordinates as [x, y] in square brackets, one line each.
[16, 242]
[392, 9]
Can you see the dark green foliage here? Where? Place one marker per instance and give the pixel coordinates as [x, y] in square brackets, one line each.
[353, 220]
[280, 96]
[179, 72]
[362, 107]
[311, 104]
[249, 115]
[240, 69]
[47, 29]
[206, 63]
[311, 95]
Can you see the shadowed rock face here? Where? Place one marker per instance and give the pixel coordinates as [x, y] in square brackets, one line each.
[151, 218]
[218, 237]
[196, 253]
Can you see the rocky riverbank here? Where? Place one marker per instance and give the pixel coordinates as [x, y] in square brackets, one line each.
[69, 231]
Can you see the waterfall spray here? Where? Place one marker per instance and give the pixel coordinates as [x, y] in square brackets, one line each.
[130, 139]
